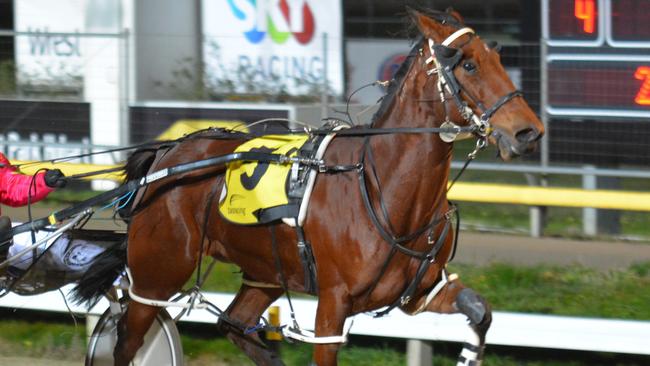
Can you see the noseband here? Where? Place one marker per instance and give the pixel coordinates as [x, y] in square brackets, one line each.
[445, 59]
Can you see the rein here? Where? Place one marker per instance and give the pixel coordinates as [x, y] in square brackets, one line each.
[79, 156]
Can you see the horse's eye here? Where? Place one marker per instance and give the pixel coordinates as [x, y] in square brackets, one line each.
[470, 67]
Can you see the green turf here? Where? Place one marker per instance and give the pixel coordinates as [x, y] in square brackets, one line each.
[574, 290]
[42, 339]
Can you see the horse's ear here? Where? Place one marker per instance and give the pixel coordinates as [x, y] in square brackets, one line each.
[455, 14]
[428, 27]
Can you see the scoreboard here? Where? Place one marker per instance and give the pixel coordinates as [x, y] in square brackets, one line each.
[598, 57]
[598, 77]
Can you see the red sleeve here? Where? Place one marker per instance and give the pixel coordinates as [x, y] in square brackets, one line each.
[14, 187]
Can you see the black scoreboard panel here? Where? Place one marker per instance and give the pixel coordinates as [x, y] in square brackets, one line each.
[598, 84]
[598, 80]
[602, 141]
[596, 22]
[630, 21]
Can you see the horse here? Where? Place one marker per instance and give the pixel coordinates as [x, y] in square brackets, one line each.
[380, 234]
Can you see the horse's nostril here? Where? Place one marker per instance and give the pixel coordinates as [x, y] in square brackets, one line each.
[527, 135]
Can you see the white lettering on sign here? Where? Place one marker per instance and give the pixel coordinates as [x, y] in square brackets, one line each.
[274, 43]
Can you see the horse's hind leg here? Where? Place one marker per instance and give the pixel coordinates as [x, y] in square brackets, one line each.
[246, 309]
[137, 319]
[456, 298]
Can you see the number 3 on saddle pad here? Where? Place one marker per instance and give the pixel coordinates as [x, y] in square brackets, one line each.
[256, 192]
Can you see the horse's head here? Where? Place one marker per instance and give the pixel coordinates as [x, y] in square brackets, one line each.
[470, 75]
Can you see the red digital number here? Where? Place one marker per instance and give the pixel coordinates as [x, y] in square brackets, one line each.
[585, 10]
[643, 96]
[573, 20]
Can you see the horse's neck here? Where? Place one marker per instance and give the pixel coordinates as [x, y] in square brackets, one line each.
[412, 168]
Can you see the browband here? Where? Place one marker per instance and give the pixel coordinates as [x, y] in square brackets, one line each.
[457, 34]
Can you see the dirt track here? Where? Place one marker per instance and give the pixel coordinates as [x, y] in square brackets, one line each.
[484, 248]
[16, 361]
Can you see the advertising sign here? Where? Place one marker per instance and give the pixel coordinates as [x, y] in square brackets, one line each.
[44, 58]
[273, 46]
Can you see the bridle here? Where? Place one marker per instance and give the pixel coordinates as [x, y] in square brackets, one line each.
[445, 59]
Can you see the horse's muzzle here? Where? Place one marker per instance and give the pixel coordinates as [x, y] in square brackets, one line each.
[523, 142]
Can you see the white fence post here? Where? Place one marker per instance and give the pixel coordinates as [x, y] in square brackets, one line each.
[419, 353]
[589, 220]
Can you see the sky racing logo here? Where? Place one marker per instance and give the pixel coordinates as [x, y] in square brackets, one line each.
[280, 19]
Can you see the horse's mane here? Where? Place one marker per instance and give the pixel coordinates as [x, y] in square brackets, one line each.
[443, 17]
[397, 81]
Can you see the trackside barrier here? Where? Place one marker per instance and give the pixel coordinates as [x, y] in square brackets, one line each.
[508, 329]
[70, 169]
[470, 192]
[550, 196]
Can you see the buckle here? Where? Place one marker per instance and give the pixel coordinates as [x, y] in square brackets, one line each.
[447, 215]
[405, 300]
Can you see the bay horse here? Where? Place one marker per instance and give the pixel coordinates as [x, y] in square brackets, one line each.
[372, 241]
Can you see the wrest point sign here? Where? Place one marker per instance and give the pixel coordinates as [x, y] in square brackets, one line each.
[51, 50]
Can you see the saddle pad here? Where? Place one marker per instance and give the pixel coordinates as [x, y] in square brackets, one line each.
[256, 192]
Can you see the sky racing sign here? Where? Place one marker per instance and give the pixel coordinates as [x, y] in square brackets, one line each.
[254, 46]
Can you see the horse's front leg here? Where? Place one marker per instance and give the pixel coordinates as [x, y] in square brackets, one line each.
[456, 298]
[333, 309]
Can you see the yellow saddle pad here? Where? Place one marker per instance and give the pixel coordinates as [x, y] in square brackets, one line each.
[256, 192]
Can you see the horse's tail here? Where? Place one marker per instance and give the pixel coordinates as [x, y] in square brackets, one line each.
[101, 275]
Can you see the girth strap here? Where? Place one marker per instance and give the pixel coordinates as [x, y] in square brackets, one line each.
[307, 260]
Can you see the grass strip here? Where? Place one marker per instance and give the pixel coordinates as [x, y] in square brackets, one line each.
[544, 289]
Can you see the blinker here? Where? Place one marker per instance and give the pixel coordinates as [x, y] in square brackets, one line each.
[447, 56]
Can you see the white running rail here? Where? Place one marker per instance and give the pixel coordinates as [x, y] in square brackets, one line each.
[508, 329]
